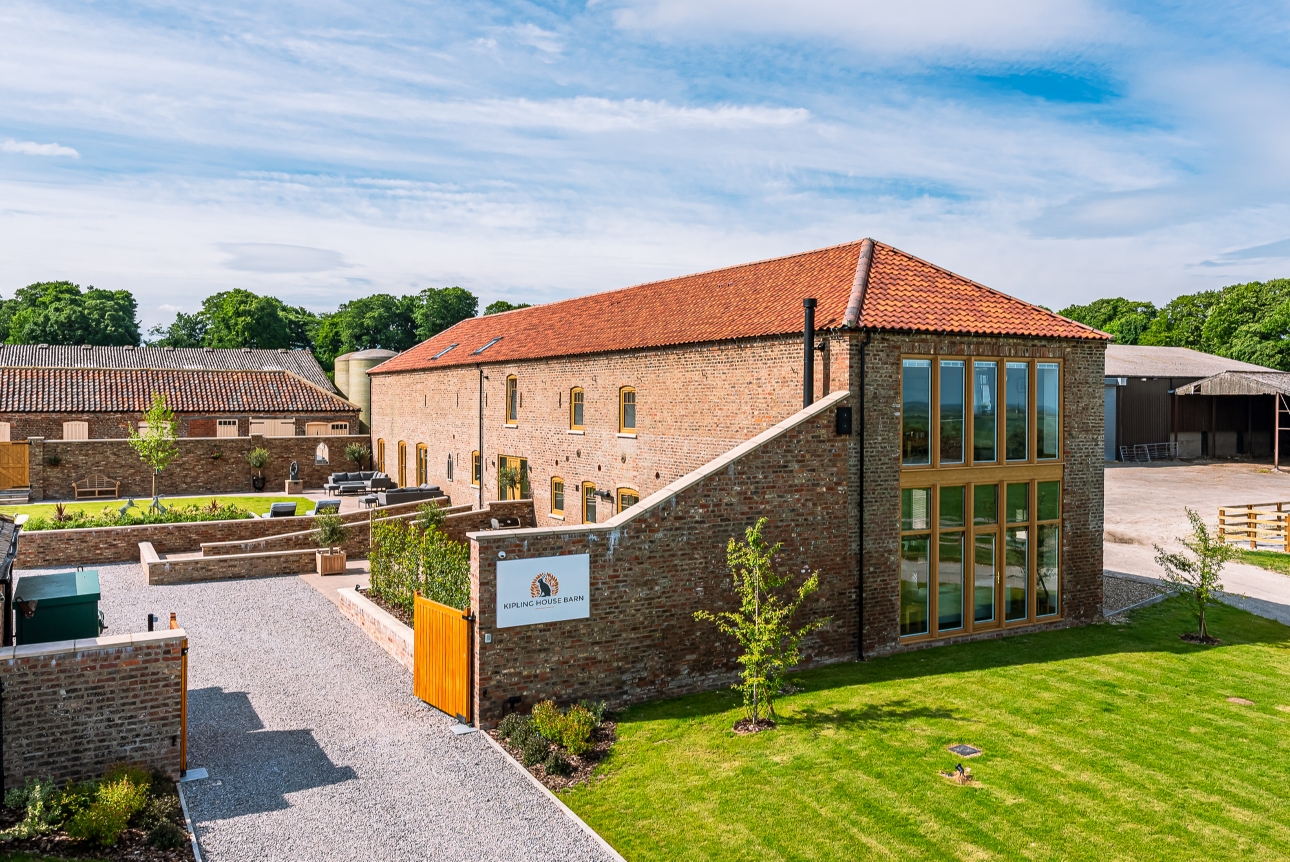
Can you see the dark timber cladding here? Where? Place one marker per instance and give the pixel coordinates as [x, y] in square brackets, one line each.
[1266, 388]
[1142, 390]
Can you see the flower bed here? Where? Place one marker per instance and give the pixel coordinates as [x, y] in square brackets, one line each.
[63, 519]
[128, 814]
[561, 748]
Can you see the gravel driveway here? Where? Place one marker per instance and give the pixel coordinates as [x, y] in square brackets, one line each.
[1144, 506]
[316, 747]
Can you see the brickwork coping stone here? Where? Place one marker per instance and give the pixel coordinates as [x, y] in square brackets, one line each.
[75, 708]
[656, 563]
[387, 630]
[186, 569]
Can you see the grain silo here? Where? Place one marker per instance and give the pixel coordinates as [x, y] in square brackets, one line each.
[359, 389]
[342, 373]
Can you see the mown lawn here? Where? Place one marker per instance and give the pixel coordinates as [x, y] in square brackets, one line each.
[1273, 561]
[257, 504]
[1109, 742]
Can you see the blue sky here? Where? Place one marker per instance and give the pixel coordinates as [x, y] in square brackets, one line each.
[320, 151]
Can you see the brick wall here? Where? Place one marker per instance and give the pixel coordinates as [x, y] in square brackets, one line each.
[692, 404]
[185, 569]
[102, 545]
[193, 471]
[116, 426]
[1081, 585]
[391, 634]
[654, 566]
[72, 709]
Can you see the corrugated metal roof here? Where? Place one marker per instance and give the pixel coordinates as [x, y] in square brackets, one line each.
[298, 362]
[1240, 383]
[1140, 360]
[130, 390]
[897, 291]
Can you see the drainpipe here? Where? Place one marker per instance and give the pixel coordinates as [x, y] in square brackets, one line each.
[861, 425]
[808, 353]
[482, 378]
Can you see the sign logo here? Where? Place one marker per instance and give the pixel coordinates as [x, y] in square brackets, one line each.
[544, 584]
[543, 590]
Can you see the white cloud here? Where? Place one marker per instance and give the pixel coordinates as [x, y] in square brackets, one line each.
[276, 257]
[880, 26]
[31, 148]
[535, 36]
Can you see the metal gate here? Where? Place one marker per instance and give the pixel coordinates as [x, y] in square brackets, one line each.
[441, 657]
[13, 466]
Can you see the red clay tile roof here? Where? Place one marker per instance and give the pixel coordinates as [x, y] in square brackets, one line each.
[129, 390]
[746, 301]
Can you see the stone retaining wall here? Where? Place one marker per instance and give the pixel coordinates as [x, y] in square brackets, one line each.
[186, 569]
[72, 709]
[387, 630]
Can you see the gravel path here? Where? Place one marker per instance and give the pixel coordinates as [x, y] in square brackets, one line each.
[1124, 591]
[317, 749]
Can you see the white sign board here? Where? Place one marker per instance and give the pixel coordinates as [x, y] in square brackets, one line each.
[543, 590]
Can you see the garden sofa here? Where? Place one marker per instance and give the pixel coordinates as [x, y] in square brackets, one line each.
[394, 496]
[358, 483]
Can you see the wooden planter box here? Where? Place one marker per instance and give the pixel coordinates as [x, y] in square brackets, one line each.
[330, 563]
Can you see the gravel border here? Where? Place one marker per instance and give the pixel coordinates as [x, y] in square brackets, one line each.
[1123, 592]
[317, 749]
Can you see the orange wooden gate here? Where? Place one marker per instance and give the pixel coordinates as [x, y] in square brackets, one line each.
[13, 466]
[441, 657]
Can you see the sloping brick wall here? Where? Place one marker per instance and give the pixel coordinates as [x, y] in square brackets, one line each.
[654, 566]
[72, 709]
[193, 471]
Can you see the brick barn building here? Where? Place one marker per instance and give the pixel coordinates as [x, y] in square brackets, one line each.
[62, 392]
[945, 477]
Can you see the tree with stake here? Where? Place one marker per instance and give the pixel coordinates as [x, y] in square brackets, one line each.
[357, 453]
[762, 625]
[156, 442]
[1196, 576]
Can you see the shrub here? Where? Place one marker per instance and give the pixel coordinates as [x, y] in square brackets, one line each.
[596, 708]
[557, 764]
[39, 798]
[158, 818]
[429, 516]
[331, 530]
[357, 453]
[515, 729]
[137, 774]
[258, 457]
[406, 560]
[571, 729]
[534, 750]
[115, 802]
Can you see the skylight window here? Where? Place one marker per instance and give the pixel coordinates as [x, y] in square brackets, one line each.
[486, 346]
[445, 350]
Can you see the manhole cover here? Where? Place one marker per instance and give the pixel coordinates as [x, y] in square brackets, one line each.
[965, 750]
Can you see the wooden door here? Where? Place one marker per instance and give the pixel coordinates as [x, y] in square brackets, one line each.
[441, 657]
[13, 466]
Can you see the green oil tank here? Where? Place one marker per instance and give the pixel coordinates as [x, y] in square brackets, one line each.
[60, 607]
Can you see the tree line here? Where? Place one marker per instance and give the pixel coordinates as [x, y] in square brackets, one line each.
[1249, 322]
[60, 312]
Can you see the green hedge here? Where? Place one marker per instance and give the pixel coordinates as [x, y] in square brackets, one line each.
[417, 557]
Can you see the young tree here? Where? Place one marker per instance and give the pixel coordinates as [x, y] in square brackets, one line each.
[357, 453]
[1196, 575]
[156, 443]
[762, 626]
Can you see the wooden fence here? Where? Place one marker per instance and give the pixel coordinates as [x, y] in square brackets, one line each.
[1255, 523]
[441, 657]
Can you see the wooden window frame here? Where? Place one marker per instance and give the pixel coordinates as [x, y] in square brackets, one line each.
[522, 464]
[1000, 472]
[423, 464]
[512, 406]
[577, 395]
[380, 454]
[557, 510]
[403, 464]
[628, 491]
[476, 469]
[588, 489]
[622, 409]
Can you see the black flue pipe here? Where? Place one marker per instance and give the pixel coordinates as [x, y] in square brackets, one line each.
[808, 353]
